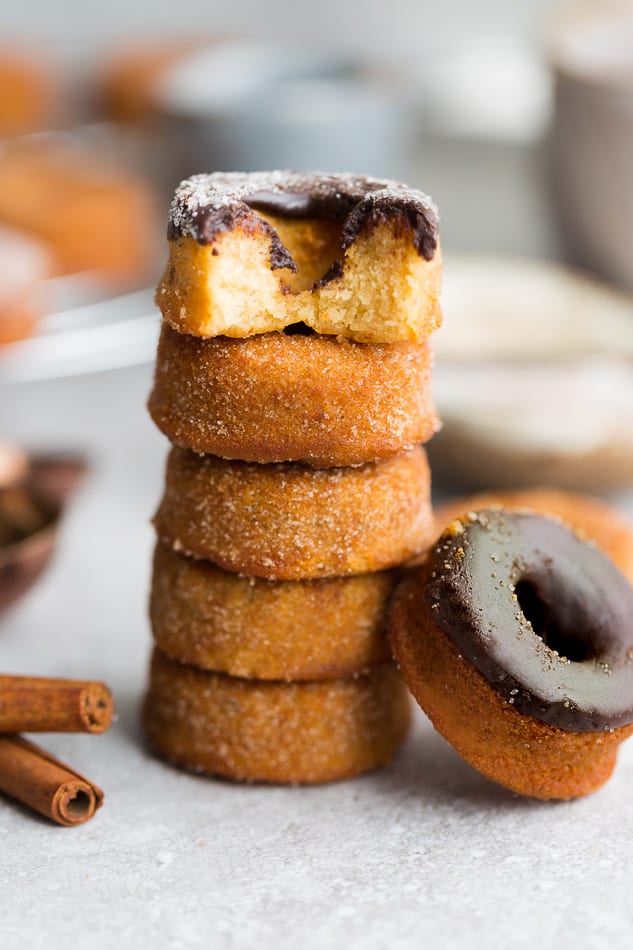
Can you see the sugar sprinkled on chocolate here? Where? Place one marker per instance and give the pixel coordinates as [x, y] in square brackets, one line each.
[206, 205]
[545, 639]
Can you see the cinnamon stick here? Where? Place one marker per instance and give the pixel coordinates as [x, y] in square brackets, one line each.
[38, 780]
[40, 704]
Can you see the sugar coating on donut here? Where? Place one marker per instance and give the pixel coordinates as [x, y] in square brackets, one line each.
[251, 730]
[514, 638]
[254, 253]
[261, 629]
[286, 521]
[275, 397]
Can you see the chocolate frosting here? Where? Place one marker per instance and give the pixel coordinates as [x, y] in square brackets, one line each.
[546, 618]
[206, 205]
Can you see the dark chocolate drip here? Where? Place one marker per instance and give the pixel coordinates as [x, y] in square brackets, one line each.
[207, 223]
[379, 208]
[334, 271]
[297, 204]
[206, 205]
[542, 615]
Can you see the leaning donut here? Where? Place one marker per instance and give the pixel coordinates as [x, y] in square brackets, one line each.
[282, 398]
[287, 521]
[515, 637]
[274, 732]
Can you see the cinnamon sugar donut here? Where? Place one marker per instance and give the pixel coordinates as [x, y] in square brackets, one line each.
[286, 521]
[515, 637]
[270, 731]
[253, 253]
[591, 518]
[90, 215]
[261, 629]
[29, 95]
[321, 400]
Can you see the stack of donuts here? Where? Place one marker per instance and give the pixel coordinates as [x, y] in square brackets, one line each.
[293, 381]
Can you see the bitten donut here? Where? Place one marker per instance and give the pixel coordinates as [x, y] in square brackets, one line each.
[591, 518]
[286, 521]
[260, 629]
[515, 638]
[253, 253]
[317, 399]
[270, 731]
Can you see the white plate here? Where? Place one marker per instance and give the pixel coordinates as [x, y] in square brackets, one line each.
[533, 378]
[85, 338]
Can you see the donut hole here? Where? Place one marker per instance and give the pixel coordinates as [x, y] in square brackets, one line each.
[315, 245]
[550, 627]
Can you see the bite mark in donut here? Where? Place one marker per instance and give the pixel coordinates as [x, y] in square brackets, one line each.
[254, 253]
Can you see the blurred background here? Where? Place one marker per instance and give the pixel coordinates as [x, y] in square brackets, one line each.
[516, 117]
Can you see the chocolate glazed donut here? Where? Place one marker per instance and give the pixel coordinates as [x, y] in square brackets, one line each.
[516, 638]
[206, 205]
[345, 255]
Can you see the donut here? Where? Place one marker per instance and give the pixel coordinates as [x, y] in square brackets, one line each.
[275, 397]
[270, 731]
[89, 215]
[515, 638]
[261, 629]
[29, 94]
[253, 253]
[130, 80]
[286, 521]
[591, 518]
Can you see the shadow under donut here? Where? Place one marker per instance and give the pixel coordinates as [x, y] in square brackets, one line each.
[428, 769]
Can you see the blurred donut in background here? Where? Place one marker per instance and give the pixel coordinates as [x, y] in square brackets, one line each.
[92, 215]
[29, 93]
[126, 86]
